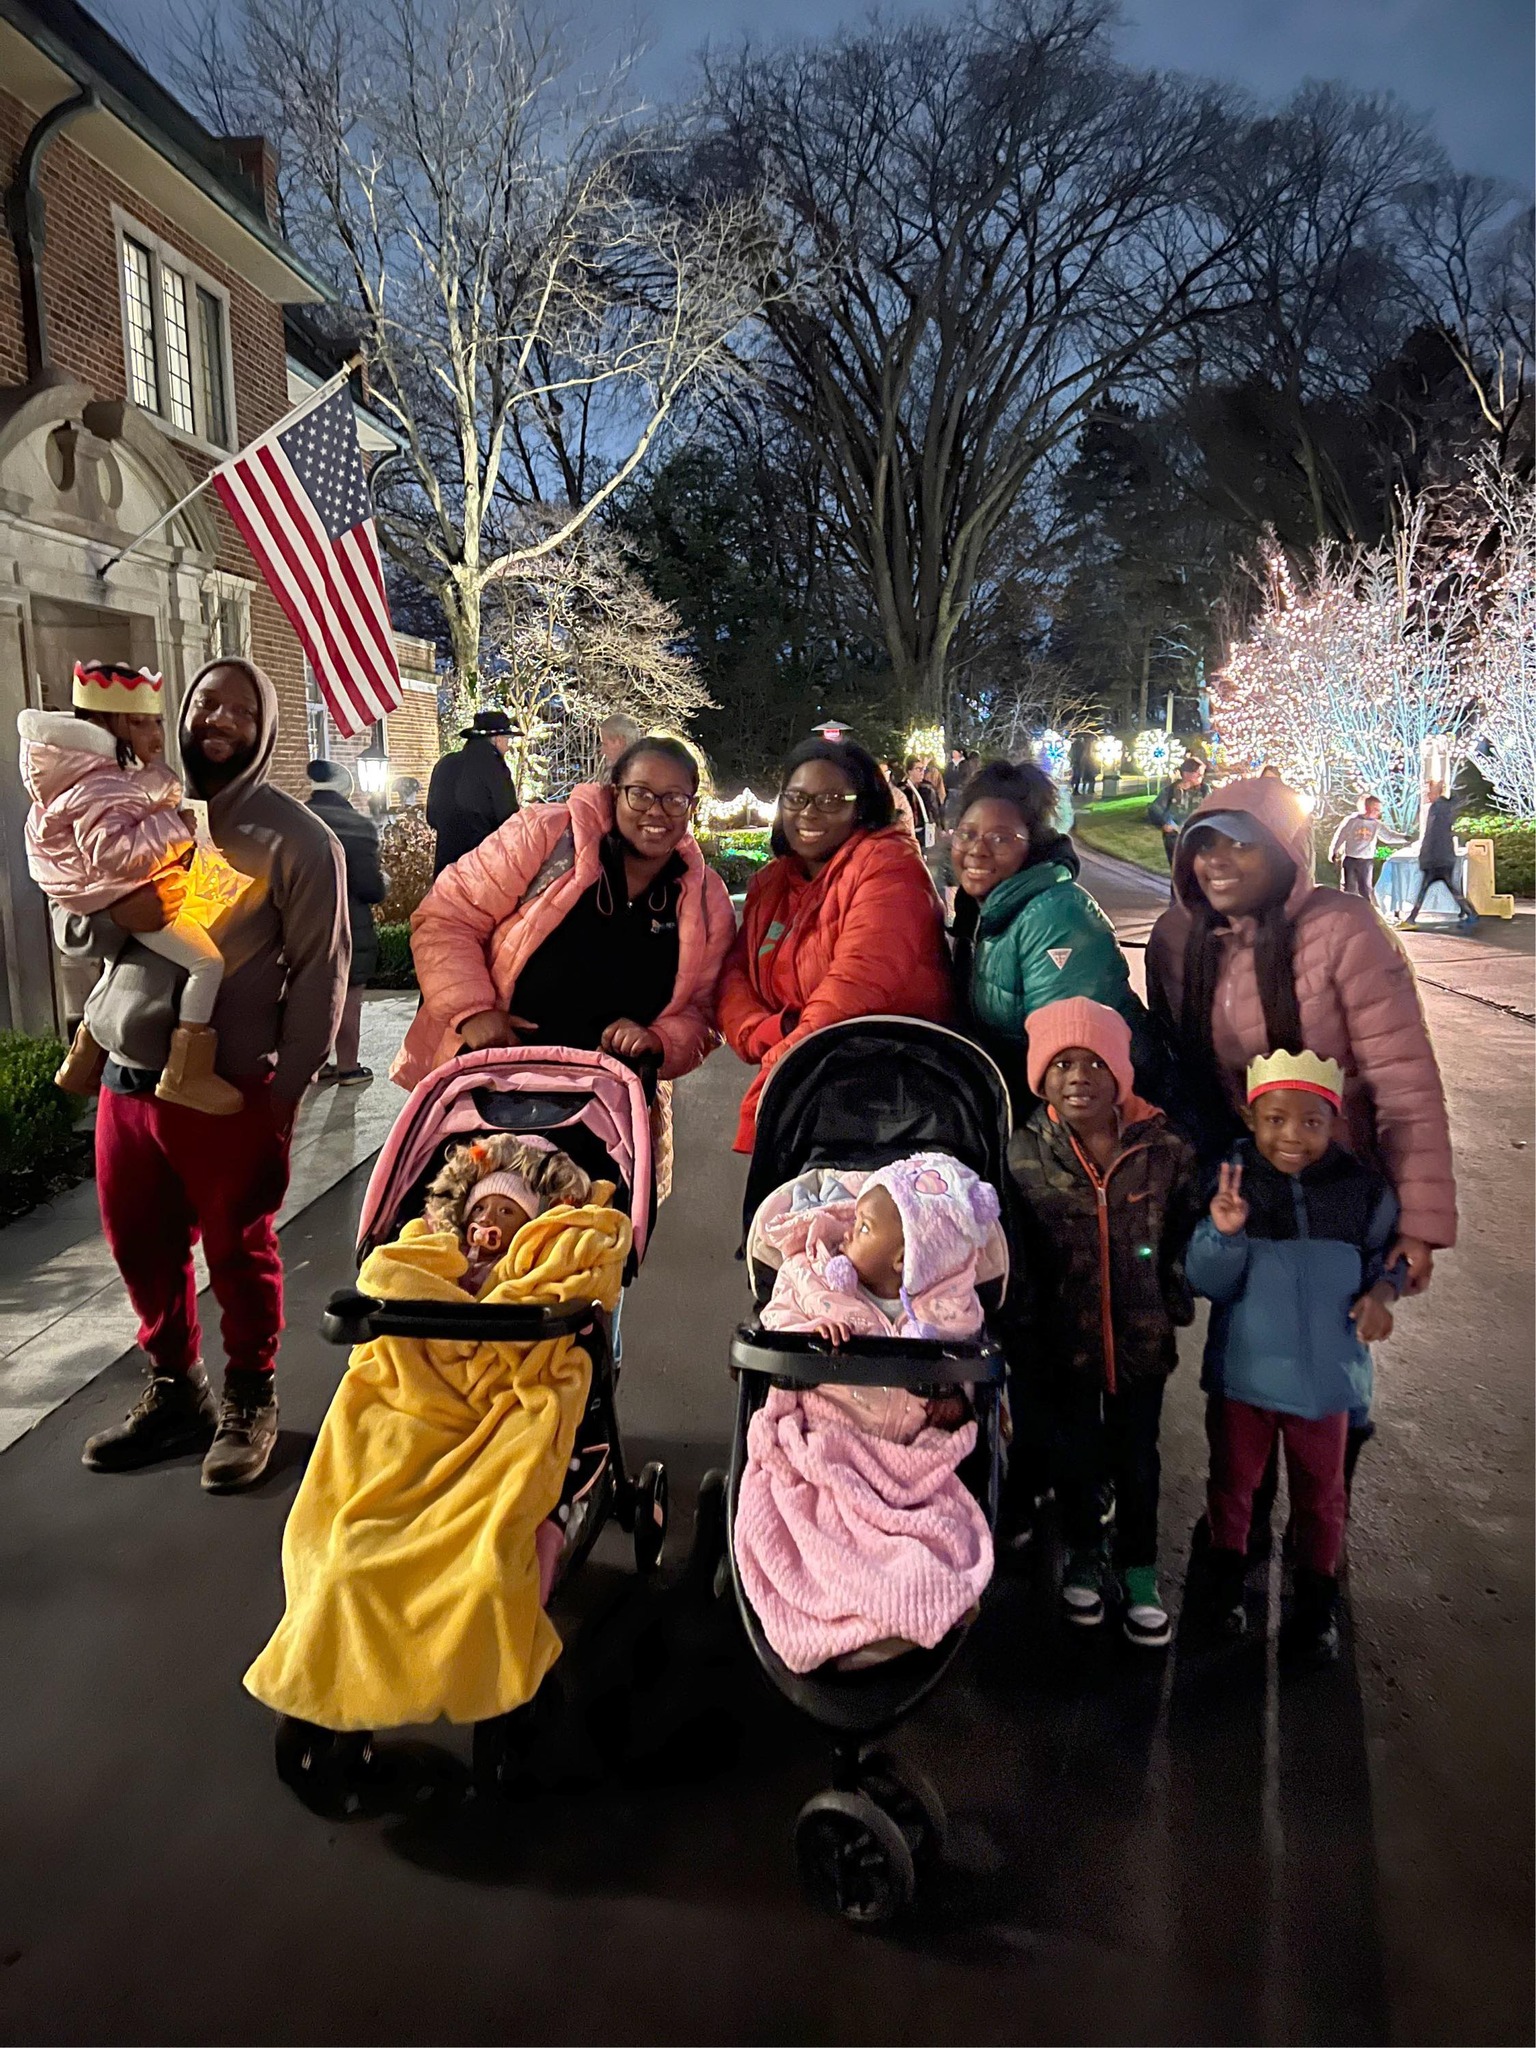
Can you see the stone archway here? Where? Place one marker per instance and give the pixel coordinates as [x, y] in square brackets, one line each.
[80, 476]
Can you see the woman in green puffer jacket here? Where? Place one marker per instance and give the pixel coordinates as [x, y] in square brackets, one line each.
[1026, 932]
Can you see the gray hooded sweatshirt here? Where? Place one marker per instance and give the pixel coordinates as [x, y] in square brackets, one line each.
[285, 942]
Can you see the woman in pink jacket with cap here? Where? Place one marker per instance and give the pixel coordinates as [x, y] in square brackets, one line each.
[592, 923]
[1252, 957]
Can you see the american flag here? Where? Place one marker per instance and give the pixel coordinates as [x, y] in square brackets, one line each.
[300, 498]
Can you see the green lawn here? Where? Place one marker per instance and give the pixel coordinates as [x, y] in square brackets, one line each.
[1121, 828]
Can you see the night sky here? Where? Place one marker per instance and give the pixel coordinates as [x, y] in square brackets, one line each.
[1468, 63]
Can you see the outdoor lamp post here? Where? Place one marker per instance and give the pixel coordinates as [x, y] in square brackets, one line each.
[373, 772]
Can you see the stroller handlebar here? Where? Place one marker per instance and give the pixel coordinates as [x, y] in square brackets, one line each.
[353, 1318]
[865, 1361]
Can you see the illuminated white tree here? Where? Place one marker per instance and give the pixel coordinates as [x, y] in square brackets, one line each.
[1502, 663]
[1349, 671]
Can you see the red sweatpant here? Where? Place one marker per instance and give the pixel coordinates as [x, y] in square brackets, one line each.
[1241, 1441]
[167, 1175]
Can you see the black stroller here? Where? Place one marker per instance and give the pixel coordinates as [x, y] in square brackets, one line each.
[858, 1096]
[598, 1110]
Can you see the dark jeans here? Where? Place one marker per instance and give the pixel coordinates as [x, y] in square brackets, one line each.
[1170, 842]
[1427, 880]
[1360, 878]
[1103, 1442]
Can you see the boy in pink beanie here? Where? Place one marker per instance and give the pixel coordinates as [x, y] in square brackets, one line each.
[1108, 1199]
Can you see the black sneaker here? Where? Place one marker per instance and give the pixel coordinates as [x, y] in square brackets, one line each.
[354, 1077]
[246, 1434]
[1309, 1635]
[175, 1413]
[1225, 1573]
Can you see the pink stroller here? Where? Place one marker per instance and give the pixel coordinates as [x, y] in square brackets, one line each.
[597, 1109]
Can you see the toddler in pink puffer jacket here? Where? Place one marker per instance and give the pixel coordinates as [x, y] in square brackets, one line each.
[106, 818]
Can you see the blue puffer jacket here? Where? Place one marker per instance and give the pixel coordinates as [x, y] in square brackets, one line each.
[1282, 1289]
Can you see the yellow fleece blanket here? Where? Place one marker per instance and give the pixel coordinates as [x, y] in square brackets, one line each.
[408, 1559]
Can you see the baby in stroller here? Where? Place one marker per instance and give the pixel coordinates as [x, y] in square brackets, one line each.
[420, 1548]
[855, 1538]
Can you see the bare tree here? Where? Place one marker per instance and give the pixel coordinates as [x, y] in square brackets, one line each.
[999, 221]
[532, 315]
[574, 636]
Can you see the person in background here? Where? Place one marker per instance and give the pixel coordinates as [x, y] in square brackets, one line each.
[1437, 854]
[843, 922]
[909, 804]
[616, 735]
[367, 885]
[1084, 769]
[1176, 801]
[162, 1179]
[963, 768]
[1353, 847]
[471, 793]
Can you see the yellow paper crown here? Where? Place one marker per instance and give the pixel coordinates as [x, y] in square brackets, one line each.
[113, 686]
[1303, 1070]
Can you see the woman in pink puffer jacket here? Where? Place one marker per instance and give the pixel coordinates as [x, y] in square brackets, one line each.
[630, 880]
[1252, 956]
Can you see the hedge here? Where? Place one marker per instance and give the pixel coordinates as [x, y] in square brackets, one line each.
[396, 969]
[41, 1153]
[1514, 849]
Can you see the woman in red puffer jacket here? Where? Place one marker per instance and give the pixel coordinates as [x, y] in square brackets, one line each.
[843, 922]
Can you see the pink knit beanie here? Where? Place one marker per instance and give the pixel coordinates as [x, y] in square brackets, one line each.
[1079, 1021]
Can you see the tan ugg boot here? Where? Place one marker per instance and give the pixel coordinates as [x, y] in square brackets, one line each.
[189, 1079]
[81, 1071]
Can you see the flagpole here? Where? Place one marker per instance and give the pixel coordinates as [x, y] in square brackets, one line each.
[316, 397]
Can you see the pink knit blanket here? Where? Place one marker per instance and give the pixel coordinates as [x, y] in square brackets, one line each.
[843, 1539]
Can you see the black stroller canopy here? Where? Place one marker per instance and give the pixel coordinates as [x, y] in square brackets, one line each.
[873, 1090]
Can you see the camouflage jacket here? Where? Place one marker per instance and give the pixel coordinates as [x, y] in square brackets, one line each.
[1100, 1286]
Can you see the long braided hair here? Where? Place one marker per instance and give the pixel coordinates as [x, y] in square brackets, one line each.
[1274, 969]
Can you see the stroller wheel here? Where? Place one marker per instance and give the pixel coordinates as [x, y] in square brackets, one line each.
[650, 1516]
[503, 1752]
[853, 1858]
[327, 1771]
[708, 1549]
[909, 1797]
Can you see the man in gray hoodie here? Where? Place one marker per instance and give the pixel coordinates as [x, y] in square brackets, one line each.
[166, 1174]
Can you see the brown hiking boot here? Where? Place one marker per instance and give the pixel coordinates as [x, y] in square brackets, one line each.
[189, 1079]
[238, 1455]
[175, 1413]
[81, 1071]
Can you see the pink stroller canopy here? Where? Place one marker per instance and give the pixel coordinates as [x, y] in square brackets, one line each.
[611, 1105]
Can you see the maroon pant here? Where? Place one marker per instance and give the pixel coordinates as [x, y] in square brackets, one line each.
[167, 1176]
[1241, 1441]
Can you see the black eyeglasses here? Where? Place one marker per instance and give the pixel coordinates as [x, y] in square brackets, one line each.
[672, 801]
[995, 842]
[828, 801]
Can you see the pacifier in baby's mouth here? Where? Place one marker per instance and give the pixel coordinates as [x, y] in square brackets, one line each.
[485, 1237]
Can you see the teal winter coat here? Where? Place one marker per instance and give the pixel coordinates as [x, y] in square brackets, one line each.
[1040, 938]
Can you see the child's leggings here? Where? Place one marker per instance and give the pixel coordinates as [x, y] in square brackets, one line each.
[1241, 1441]
[189, 946]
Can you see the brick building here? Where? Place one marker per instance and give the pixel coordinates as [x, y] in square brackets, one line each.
[142, 340]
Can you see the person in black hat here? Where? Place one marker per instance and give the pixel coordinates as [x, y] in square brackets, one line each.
[471, 792]
[367, 885]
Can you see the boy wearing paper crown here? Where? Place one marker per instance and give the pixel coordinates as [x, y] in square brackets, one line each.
[1293, 1259]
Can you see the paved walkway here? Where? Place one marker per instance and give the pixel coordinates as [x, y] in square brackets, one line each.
[64, 1315]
